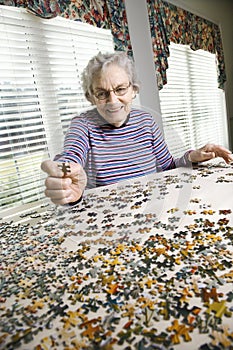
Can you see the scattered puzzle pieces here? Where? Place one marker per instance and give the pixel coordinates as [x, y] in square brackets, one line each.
[113, 273]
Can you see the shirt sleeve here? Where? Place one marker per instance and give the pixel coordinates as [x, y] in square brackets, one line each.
[76, 143]
[184, 161]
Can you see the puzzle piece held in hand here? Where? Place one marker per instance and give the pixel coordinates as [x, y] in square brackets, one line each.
[65, 167]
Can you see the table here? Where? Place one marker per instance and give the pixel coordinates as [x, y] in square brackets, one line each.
[142, 264]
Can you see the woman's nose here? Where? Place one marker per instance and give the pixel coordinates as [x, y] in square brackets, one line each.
[112, 97]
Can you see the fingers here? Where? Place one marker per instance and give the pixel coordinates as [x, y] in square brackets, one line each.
[64, 189]
[225, 154]
[222, 152]
[209, 152]
[50, 167]
[207, 155]
[58, 189]
[228, 158]
[55, 183]
[61, 197]
[219, 150]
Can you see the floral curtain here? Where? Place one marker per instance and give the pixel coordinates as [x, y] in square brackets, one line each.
[119, 26]
[167, 23]
[171, 23]
[94, 12]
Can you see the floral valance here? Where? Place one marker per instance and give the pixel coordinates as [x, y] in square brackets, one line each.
[167, 23]
[94, 12]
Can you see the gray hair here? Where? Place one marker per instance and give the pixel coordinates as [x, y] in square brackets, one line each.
[102, 60]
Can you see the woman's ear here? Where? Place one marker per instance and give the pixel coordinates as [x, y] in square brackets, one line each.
[134, 93]
[89, 98]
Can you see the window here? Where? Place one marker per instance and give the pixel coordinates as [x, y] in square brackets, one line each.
[192, 105]
[40, 66]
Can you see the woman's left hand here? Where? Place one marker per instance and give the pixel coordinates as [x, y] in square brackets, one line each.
[210, 151]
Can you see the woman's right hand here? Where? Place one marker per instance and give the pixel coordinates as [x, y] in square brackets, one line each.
[64, 189]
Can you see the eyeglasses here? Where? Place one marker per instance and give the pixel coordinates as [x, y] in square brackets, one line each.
[104, 94]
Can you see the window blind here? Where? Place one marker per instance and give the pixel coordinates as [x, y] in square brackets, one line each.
[192, 106]
[40, 91]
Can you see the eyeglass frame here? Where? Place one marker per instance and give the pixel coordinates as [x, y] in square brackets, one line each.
[107, 92]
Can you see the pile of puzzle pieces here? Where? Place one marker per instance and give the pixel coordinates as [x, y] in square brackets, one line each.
[128, 268]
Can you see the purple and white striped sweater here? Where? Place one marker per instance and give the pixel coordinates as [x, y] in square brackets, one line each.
[110, 154]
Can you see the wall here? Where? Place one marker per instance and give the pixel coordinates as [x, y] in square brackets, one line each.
[213, 10]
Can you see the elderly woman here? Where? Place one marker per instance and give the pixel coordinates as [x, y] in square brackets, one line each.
[113, 141]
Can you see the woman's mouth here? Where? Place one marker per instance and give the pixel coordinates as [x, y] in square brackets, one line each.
[114, 110]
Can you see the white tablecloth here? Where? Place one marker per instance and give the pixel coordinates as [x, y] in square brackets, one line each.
[142, 264]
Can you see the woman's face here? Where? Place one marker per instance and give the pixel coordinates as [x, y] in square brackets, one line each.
[114, 109]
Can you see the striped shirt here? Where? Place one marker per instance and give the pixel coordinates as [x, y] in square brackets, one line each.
[111, 154]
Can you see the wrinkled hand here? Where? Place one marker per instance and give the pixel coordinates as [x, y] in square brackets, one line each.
[210, 151]
[64, 189]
